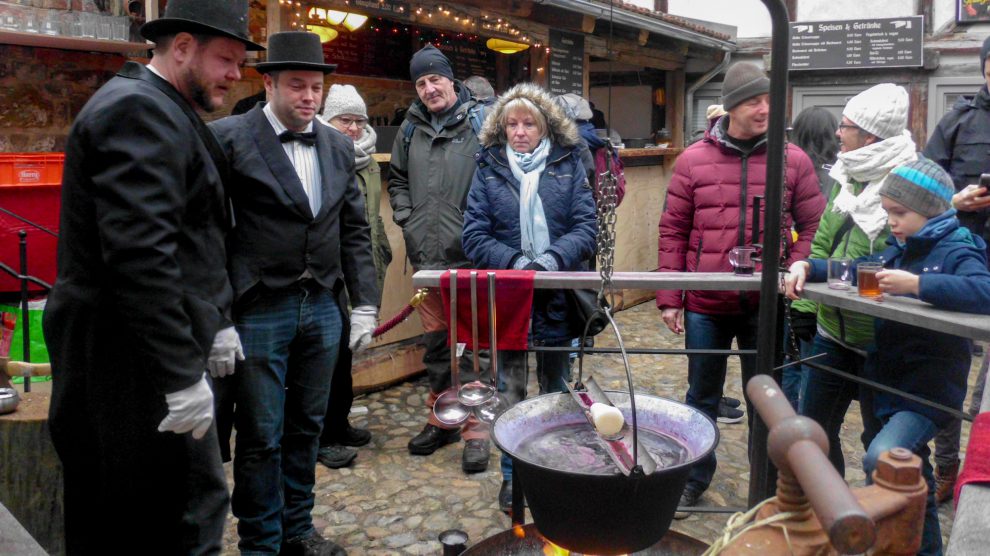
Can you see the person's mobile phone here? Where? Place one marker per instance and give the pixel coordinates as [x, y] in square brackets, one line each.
[985, 181]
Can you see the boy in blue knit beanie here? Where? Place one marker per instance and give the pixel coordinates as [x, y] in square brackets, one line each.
[932, 258]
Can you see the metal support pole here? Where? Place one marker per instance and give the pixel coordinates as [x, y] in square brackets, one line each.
[761, 485]
[25, 324]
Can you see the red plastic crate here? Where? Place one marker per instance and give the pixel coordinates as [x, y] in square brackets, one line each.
[30, 186]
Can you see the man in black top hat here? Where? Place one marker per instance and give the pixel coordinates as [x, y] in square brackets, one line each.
[300, 236]
[140, 307]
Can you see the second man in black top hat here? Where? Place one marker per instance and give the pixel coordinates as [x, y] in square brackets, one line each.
[300, 237]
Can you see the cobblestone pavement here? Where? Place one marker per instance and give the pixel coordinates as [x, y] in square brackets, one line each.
[389, 502]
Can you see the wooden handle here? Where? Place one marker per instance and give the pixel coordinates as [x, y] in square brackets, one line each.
[18, 368]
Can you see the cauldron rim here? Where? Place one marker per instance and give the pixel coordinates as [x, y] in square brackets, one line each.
[687, 463]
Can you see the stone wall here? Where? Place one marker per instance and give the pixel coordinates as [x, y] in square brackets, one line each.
[42, 89]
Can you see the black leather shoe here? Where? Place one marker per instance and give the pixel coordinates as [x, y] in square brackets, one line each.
[336, 456]
[475, 456]
[314, 545]
[353, 436]
[505, 497]
[431, 439]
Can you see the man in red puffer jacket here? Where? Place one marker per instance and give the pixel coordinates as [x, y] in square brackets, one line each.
[706, 214]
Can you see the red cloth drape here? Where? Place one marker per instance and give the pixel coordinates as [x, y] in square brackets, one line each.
[513, 306]
[976, 468]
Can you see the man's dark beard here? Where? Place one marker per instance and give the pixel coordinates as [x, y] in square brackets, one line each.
[197, 92]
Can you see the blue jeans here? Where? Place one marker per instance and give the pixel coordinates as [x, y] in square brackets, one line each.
[794, 378]
[290, 338]
[910, 430]
[552, 370]
[826, 397]
[706, 373]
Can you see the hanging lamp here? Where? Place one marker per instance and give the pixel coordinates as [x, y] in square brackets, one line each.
[505, 47]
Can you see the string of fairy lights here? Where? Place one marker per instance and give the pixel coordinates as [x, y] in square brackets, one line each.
[468, 26]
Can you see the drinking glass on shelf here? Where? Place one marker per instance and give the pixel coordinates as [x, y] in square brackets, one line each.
[50, 23]
[88, 21]
[10, 17]
[121, 28]
[29, 20]
[103, 23]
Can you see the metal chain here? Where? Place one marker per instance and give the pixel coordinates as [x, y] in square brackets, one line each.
[607, 200]
[782, 275]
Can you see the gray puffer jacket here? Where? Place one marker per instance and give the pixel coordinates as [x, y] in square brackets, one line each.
[429, 181]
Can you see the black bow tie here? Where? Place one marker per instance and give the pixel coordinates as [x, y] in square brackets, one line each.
[308, 139]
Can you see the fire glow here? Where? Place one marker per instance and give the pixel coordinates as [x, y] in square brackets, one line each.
[549, 549]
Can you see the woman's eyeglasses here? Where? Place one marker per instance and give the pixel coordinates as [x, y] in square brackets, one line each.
[348, 122]
[849, 126]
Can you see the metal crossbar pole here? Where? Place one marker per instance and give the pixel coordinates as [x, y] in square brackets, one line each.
[646, 351]
[25, 318]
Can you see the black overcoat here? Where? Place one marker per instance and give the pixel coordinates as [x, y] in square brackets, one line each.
[141, 291]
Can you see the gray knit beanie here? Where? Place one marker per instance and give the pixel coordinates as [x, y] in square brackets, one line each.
[881, 110]
[744, 80]
[922, 186]
[343, 99]
[429, 60]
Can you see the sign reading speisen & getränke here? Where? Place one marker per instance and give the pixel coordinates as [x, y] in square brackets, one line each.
[861, 43]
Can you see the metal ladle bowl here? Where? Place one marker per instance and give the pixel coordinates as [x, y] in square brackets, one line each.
[476, 392]
[447, 408]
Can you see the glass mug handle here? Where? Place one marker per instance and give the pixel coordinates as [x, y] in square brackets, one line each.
[734, 257]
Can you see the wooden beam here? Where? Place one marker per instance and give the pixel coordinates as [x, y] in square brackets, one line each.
[510, 8]
[632, 53]
[644, 37]
[676, 94]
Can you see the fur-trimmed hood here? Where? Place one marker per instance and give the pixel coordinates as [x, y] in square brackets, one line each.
[562, 130]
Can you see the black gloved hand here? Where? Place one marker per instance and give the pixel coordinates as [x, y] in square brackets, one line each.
[534, 266]
[804, 325]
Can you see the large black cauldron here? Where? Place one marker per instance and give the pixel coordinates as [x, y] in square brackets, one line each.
[598, 513]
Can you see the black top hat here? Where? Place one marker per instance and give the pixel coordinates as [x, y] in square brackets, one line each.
[225, 18]
[299, 50]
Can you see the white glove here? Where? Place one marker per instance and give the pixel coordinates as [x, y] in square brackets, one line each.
[363, 322]
[190, 409]
[225, 351]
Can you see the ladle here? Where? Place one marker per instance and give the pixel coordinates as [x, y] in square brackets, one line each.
[493, 407]
[475, 392]
[447, 408]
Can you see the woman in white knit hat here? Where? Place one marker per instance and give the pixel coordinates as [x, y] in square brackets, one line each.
[345, 111]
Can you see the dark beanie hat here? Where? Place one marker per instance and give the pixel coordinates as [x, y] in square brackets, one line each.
[983, 55]
[429, 60]
[921, 186]
[743, 80]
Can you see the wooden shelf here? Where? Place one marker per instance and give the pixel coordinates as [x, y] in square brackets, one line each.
[71, 43]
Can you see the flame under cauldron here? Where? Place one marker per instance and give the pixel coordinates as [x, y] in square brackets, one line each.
[526, 539]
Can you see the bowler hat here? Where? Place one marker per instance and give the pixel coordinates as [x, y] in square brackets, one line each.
[225, 18]
[298, 50]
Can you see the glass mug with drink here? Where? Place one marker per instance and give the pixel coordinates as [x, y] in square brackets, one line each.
[741, 259]
[840, 271]
[866, 278]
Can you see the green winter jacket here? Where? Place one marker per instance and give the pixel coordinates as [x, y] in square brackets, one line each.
[428, 183]
[851, 328]
[370, 183]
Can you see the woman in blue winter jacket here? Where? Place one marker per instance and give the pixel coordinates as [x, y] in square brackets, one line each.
[530, 207]
[930, 257]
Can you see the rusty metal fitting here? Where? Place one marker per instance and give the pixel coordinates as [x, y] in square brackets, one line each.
[898, 469]
[789, 431]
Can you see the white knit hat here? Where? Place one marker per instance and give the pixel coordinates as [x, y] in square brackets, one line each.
[881, 110]
[343, 99]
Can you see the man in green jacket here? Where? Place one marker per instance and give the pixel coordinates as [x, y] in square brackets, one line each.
[431, 170]
[872, 141]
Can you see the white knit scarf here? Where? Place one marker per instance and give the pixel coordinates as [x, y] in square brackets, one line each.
[364, 147]
[869, 166]
[527, 168]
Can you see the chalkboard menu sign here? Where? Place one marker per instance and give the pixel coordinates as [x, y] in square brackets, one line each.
[867, 43]
[469, 58]
[371, 53]
[566, 63]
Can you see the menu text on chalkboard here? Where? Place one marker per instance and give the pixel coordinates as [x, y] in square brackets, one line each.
[849, 44]
[566, 73]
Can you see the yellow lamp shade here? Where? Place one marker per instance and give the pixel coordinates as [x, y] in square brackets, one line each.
[505, 47]
[335, 17]
[353, 22]
[326, 34]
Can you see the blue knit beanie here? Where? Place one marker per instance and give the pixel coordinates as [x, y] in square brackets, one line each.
[922, 186]
[429, 60]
